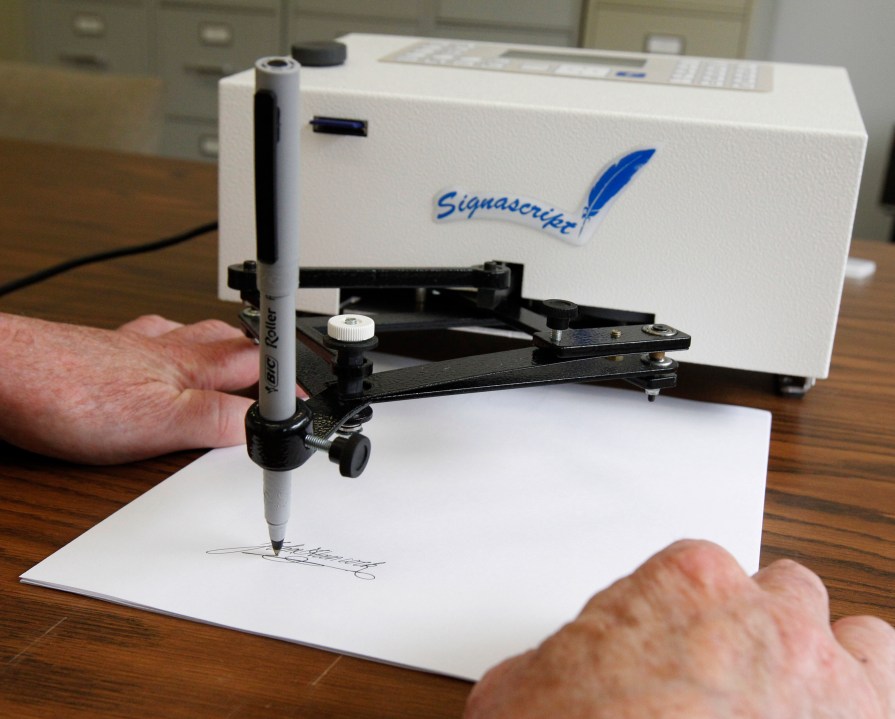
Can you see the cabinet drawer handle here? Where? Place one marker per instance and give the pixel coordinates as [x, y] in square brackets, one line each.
[88, 24]
[209, 146]
[84, 60]
[208, 69]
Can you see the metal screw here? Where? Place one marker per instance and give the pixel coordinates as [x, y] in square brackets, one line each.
[312, 441]
[351, 454]
[355, 423]
[559, 314]
[657, 360]
[351, 321]
[659, 330]
[615, 334]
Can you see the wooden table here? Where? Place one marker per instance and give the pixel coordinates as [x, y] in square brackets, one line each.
[830, 497]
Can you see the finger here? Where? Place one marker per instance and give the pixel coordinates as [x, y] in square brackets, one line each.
[204, 332]
[226, 365]
[675, 584]
[799, 585]
[209, 419]
[871, 641]
[694, 568]
[150, 326]
[488, 697]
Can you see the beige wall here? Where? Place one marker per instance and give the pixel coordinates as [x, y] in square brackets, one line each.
[13, 35]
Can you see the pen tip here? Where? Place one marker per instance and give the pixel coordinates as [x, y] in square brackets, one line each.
[276, 546]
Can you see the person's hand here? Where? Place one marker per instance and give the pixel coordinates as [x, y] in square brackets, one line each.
[690, 635]
[101, 397]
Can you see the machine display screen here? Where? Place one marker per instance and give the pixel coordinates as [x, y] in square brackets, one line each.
[570, 58]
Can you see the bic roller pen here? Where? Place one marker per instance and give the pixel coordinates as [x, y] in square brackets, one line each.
[276, 224]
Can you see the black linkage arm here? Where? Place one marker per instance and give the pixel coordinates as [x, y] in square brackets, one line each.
[342, 388]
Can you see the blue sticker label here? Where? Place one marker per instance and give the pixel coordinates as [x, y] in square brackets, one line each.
[576, 228]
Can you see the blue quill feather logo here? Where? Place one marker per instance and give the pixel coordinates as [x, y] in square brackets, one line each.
[611, 182]
[576, 228]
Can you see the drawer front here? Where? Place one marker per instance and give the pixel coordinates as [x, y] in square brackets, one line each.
[310, 28]
[408, 10]
[102, 36]
[613, 29]
[190, 139]
[552, 14]
[729, 6]
[197, 47]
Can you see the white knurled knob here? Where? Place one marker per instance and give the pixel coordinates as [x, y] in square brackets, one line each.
[351, 328]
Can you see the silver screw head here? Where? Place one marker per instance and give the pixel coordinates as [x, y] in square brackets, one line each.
[659, 330]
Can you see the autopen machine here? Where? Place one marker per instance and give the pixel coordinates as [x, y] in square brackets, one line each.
[439, 152]
[331, 354]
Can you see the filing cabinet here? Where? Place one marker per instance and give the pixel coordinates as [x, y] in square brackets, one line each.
[92, 34]
[191, 44]
[197, 46]
[710, 28]
[198, 43]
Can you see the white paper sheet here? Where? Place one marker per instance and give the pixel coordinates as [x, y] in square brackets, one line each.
[481, 525]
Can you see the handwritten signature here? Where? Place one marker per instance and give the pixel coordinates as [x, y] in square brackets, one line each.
[301, 554]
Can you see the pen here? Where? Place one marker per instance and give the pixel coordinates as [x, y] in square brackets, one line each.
[276, 226]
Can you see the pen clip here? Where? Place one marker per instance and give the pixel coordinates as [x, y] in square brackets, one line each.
[267, 119]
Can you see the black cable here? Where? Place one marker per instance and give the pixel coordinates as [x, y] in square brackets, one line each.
[45, 274]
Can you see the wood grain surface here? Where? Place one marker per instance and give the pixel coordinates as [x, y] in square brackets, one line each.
[830, 496]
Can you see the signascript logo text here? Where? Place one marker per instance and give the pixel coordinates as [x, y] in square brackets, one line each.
[576, 228]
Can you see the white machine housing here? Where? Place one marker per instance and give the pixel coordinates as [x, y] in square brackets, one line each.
[735, 228]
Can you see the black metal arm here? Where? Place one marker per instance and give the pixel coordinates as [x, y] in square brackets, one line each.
[342, 387]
